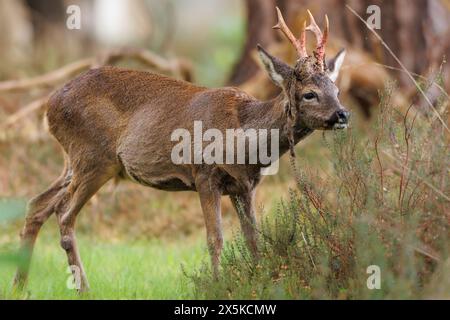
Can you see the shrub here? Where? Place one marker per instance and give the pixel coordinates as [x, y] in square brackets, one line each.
[385, 203]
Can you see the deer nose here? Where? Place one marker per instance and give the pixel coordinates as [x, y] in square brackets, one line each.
[343, 116]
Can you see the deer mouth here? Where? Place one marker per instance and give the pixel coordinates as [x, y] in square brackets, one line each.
[340, 126]
[336, 124]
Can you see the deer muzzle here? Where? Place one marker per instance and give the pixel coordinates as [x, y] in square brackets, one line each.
[339, 119]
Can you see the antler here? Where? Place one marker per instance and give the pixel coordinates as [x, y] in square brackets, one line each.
[299, 44]
[321, 38]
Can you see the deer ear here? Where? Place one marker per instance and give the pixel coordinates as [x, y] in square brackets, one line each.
[335, 64]
[278, 71]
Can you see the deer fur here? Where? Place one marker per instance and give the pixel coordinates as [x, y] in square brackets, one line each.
[116, 124]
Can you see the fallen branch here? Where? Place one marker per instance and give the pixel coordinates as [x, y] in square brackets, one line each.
[176, 67]
[48, 79]
[25, 111]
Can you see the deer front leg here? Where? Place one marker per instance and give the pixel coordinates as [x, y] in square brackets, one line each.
[210, 202]
[243, 203]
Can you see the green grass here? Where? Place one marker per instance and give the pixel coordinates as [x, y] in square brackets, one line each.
[123, 270]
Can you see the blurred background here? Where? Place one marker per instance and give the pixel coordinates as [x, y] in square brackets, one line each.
[209, 43]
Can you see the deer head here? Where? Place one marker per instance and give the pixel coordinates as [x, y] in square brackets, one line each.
[309, 87]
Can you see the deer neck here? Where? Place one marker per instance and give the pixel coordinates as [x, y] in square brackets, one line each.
[271, 115]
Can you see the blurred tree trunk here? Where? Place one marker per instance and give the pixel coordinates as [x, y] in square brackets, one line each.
[45, 13]
[260, 20]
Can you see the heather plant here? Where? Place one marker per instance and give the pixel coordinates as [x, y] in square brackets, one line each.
[384, 203]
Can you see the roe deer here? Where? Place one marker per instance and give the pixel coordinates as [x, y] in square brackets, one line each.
[116, 123]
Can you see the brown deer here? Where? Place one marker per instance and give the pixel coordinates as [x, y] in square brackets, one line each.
[116, 123]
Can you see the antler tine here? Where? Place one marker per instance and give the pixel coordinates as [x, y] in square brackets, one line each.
[326, 31]
[299, 44]
[322, 38]
[303, 40]
[314, 28]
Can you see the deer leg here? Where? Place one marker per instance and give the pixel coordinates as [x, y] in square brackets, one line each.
[244, 206]
[81, 190]
[39, 210]
[210, 203]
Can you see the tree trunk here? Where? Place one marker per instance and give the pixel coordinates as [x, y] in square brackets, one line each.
[45, 13]
[260, 20]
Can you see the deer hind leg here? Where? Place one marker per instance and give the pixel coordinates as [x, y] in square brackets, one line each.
[210, 202]
[39, 210]
[244, 206]
[82, 187]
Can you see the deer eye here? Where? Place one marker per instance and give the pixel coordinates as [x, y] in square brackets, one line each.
[309, 96]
